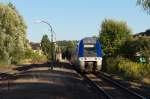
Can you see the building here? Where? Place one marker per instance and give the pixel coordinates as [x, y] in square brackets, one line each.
[36, 47]
[58, 53]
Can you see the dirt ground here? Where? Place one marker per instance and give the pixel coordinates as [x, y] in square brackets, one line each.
[37, 81]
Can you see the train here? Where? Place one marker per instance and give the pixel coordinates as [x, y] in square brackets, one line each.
[87, 56]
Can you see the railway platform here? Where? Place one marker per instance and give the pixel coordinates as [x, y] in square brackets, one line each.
[37, 81]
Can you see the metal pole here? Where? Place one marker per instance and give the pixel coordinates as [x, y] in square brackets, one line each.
[52, 42]
[52, 47]
[52, 51]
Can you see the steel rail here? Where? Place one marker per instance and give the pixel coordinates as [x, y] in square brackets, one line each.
[101, 90]
[102, 75]
[95, 86]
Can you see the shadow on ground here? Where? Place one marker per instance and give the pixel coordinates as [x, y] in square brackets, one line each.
[48, 64]
[25, 68]
[45, 84]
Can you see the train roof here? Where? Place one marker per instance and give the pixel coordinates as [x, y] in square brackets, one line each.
[89, 40]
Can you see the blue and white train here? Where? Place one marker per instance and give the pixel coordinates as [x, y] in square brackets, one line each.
[88, 55]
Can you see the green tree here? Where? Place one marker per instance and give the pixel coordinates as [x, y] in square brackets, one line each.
[113, 34]
[139, 45]
[69, 49]
[11, 6]
[145, 5]
[46, 46]
[12, 34]
[70, 46]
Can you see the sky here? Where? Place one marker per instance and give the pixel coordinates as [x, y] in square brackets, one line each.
[76, 19]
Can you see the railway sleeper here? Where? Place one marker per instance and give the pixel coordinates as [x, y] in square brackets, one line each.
[89, 66]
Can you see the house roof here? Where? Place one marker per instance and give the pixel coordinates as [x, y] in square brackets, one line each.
[35, 46]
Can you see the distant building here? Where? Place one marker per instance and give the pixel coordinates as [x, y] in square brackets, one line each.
[58, 53]
[36, 47]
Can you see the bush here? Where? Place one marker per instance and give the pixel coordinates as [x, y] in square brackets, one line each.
[130, 69]
[38, 58]
[127, 68]
[111, 64]
[35, 57]
[134, 69]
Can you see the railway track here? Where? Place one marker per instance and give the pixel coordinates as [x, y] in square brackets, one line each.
[9, 75]
[128, 93]
[109, 88]
[121, 85]
[5, 75]
[103, 85]
[54, 84]
[98, 90]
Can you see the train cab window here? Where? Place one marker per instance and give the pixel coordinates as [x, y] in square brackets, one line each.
[89, 51]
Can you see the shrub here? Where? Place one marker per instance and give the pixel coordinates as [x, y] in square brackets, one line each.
[111, 64]
[127, 68]
[34, 56]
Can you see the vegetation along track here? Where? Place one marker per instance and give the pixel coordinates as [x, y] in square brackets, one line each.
[108, 88]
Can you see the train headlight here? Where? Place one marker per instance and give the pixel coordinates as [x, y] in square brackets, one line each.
[81, 58]
[95, 58]
[99, 58]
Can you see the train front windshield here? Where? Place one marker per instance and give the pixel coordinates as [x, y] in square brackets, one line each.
[89, 51]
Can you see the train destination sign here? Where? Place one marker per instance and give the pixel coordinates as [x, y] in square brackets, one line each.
[88, 46]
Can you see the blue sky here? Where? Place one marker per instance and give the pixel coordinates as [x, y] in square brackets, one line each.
[75, 19]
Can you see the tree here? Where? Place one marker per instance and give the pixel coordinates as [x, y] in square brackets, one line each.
[145, 4]
[11, 6]
[139, 45]
[69, 49]
[113, 34]
[12, 34]
[46, 46]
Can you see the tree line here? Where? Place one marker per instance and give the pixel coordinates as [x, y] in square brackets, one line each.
[14, 43]
[64, 46]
